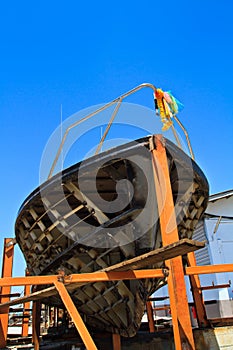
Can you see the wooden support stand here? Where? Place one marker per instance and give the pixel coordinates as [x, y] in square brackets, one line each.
[116, 342]
[36, 309]
[75, 316]
[171, 253]
[26, 314]
[7, 264]
[81, 279]
[150, 316]
[197, 294]
[182, 328]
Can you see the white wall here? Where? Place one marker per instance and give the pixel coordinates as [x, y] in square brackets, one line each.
[220, 241]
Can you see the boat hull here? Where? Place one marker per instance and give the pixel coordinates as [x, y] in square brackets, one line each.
[103, 211]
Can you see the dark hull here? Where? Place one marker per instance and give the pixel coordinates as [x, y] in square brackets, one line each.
[62, 226]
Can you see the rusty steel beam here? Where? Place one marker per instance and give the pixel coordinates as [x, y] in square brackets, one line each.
[160, 308]
[158, 298]
[197, 294]
[81, 279]
[26, 314]
[30, 280]
[116, 341]
[182, 328]
[208, 269]
[85, 277]
[75, 316]
[7, 265]
[216, 286]
[36, 311]
[117, 276]
[11, 295]
[150, 316]
[76, 280]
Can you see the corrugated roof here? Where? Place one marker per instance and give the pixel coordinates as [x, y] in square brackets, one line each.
[220, 195]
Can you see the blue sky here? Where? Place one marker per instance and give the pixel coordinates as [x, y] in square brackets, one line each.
[80, 54]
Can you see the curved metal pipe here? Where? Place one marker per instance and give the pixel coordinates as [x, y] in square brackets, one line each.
[186, 136]
[139, 87]
[118, 100]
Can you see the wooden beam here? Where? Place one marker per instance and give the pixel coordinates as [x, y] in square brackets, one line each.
[7, 265]
[215, 286]
[197, 294]
[208, 269]
[116, 341]
[36, 313]
[181, 247]
[47, 292]
[182, 327]
[75, 316]
[76, 281]
[158, 255]
[150, 316]
[84, 278]
[26, 314]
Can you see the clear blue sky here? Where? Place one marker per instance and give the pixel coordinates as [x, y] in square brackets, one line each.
[78, 54]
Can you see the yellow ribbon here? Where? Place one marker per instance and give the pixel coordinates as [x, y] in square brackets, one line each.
[164, 110]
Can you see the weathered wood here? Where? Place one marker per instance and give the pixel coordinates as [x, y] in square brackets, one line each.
[11, 295]
[170, 251]
[222, 321]
[32, 297]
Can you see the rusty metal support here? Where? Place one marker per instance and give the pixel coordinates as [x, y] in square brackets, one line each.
[11, 295]
[208, 269]
[197, 294]
[161, 308]
[50, 321]
[36, 310]
[116, 341]
[177, 290]
[81, 279]
[84, 277]
[216, 286]
[26, 314]
[55, 317]
[7, 265]
[75, 316]
[150, 316]
[182, 329]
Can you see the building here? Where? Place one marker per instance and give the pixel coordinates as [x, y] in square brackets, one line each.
[216, 229]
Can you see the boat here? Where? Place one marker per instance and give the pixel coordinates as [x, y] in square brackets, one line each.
[100, 212]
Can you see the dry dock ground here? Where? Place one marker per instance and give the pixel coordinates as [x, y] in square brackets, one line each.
[219, 338]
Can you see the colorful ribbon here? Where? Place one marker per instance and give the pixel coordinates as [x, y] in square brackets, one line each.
[166, 106]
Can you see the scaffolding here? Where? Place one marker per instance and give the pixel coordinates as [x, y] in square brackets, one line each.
[172, 251]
